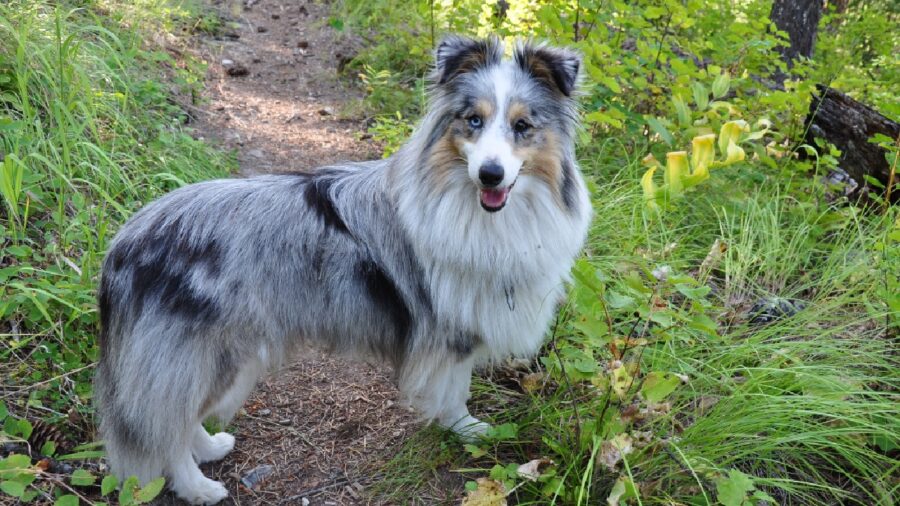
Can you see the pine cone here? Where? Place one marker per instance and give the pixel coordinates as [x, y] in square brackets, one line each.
[44, 433]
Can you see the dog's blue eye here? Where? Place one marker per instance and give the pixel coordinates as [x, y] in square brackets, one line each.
[475, 121]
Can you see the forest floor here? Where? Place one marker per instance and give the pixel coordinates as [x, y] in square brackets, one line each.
[324, 425]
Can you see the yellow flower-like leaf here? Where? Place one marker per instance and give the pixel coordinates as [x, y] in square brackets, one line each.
[731, 133]
[676, 171]
[650, 161]
[702, 155]
[734, 154]
[649, 187]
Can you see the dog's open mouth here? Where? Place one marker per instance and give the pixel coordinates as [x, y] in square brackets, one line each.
[493, 199]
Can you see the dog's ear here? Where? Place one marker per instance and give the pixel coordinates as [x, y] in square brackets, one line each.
[556, 68]
[457, 55]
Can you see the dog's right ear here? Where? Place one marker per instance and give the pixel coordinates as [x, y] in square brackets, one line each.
[457, 55]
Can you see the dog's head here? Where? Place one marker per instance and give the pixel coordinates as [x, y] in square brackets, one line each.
[502, 119]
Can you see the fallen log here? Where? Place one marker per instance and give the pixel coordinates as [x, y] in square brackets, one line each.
[849, 124]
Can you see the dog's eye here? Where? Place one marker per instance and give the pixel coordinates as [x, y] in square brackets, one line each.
[521, 126]
[475, 121]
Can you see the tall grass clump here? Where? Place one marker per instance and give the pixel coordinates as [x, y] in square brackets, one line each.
[90, 130]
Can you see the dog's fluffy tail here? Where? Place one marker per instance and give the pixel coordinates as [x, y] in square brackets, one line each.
[151, 395]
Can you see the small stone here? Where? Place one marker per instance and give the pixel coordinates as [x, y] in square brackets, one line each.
[285, 421]
[326, 111]
[227, 63]
[264, 412]
[237, 71]
[256, 153]
[257, 475]
[304, 501]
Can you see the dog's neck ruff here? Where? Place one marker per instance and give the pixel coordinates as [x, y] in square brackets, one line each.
[498, 275]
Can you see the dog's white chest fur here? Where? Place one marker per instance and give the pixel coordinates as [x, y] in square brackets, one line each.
[499, 275]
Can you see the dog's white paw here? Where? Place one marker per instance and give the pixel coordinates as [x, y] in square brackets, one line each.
[214, 448]
[202, 492]
[470, 429]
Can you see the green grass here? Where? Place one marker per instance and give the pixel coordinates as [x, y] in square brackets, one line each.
[807, 405]
[90, 130]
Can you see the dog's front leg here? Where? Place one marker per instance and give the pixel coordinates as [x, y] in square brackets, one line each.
[438, 388]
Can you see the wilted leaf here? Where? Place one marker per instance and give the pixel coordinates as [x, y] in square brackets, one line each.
[612, 451]
[532, 382]
[623, 489]
[487, 493]
[621, 381]
[533, 469]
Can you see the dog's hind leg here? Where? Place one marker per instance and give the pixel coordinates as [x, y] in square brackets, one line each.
[188, 482]
[208, 448]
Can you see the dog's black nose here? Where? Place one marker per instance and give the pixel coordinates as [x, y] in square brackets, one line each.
[490, 174]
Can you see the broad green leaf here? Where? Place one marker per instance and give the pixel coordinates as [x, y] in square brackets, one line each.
[721, 84]
[3, 411]
[108, 484]
[129, 487]
[66, 500]
[503, 432]
[693, 293]
[733, 490]
[149, 491]
[658, 385]
[701, 95]
[657, 126]
[13, 488]
[82, 478]
[682, 110]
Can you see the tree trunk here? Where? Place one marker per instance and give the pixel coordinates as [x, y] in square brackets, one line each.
[800, 19]
[849, 124]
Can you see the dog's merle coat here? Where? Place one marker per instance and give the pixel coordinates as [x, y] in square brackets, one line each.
[212, 285]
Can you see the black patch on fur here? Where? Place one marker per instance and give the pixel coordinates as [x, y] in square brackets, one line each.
[163, 264]
[105, 307]
[383, 292]
[439, 130]
[318, 199]
[568, 185]
[464, 343]
[128, 434]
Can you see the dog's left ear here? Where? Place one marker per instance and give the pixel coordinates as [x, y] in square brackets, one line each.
[457, 55]
[557, 68]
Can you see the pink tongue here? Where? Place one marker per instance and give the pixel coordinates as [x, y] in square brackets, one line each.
[494, 197]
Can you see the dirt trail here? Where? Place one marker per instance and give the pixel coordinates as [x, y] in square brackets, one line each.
[324, 425]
